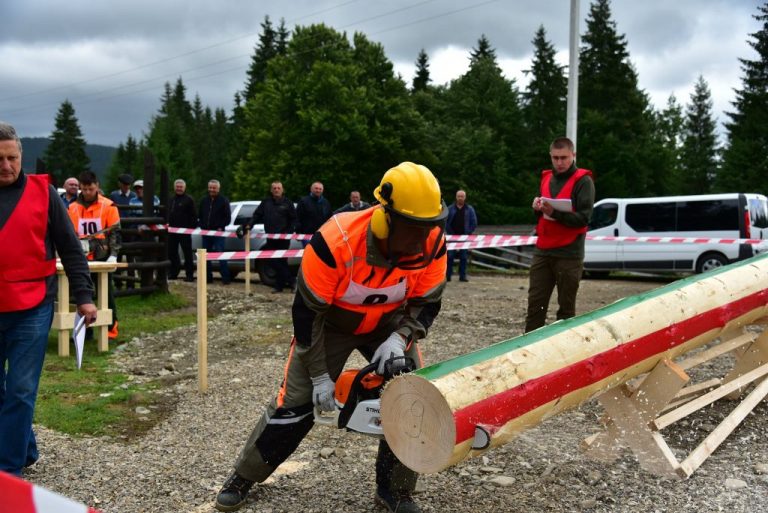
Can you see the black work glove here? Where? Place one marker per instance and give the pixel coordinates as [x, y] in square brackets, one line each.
[240, 232]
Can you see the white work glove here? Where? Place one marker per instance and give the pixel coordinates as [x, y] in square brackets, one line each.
[323, 389]
[112, 259]
[393, 346]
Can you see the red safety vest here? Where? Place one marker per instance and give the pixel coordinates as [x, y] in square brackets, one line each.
[552, 234]
[23, 263]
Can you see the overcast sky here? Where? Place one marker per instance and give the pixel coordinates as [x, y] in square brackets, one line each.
[111, 58]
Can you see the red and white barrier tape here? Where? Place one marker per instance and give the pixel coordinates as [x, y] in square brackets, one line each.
[479, 240]
[485, 241]
[19, 496]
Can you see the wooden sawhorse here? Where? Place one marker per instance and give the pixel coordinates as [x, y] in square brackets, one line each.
[635, 415]
[64, 319]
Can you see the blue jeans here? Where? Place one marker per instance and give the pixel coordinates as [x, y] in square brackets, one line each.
[462, 262]
[23, 341]
[216, 244]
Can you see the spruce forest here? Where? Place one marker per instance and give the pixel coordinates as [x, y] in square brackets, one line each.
[319, 104]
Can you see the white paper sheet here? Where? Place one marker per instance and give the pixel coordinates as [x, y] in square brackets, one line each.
[78, 335]
[563, 205]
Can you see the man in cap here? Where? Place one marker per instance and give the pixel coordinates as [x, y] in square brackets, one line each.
[123, 195]
[370, 281]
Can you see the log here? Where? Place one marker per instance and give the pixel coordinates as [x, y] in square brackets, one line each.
[440, 415]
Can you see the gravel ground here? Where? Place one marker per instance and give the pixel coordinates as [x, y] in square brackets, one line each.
[180, 462]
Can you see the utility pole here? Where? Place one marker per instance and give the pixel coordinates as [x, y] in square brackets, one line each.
[572, 107]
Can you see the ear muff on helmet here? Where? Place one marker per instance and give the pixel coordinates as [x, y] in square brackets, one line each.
[380, 224]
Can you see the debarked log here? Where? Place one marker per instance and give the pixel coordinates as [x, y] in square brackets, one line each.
[442, 414]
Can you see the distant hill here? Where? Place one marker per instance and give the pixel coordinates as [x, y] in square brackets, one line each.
[34, 148]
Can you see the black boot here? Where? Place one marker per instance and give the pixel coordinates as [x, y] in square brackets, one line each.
[233, 494]
[396, 502]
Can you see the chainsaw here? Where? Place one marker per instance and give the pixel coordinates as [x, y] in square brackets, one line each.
[358, 399]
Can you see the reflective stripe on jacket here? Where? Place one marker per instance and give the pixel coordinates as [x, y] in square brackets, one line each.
[361, 294]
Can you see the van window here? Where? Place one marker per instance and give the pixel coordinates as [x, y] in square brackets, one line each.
[651, 217]
[710, 215]
[245, 214]
[603, 215]
[758, 212]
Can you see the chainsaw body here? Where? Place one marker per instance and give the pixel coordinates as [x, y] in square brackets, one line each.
[358, 398]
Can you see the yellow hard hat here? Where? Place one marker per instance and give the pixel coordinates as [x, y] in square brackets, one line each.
[412, 191]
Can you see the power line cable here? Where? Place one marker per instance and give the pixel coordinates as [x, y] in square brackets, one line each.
[87, 97]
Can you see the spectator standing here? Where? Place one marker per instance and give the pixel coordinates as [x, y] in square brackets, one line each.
[462, 220]
[312, 211]
[370, 281]
[355, 204]
[138, 199]
[123, 195]
[215, 214]
[30, 240]
[558, 258]
[70, 191]
[279, 216]
[97, 223]
[181, 214]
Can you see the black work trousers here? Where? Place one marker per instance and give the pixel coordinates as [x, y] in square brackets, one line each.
[176, 240]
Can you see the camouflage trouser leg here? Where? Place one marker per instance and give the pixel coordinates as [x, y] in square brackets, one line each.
[288, 418]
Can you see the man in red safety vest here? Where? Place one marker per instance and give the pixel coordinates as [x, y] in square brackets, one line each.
[563, 208]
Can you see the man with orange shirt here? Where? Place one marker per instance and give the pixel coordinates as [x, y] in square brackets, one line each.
[97, 223]
[370, 281]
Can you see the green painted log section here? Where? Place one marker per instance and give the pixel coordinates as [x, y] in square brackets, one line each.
[430, 415]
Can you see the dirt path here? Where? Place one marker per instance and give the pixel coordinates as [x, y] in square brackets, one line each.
[178, 465]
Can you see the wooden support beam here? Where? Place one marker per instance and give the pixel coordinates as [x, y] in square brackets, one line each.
[725, 428]
[718, 350]
[637, 408]
[649, 447]
[202, 322]
[747, 359]
[709, 398]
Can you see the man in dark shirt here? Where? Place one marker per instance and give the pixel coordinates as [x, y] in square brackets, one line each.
[181, 214]
[355, 204]
[124, 194]
[215, 214]
[29, 285]
[279, 216]
[312, 211]
[462, 220]
[70, 191]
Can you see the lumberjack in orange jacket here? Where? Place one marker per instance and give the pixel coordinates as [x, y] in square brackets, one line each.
[370, 281]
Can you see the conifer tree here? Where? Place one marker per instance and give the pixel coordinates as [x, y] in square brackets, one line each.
[699, 150]
[615, 120]
[421, 80]
[544, 103]
[65, 155]
[745, 158]
[266, 50]
[667, 178]
[481, 138]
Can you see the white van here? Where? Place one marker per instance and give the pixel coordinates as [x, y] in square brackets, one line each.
[709, 216]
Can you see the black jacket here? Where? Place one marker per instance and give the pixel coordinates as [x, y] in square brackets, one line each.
[278, 216]
[214, 214]
[312, 212]
[181, 211]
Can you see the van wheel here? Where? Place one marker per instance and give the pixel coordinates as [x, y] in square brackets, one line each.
[267, 274]
[709, 261]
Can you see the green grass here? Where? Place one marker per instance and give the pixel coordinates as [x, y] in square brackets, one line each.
[97, 399]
